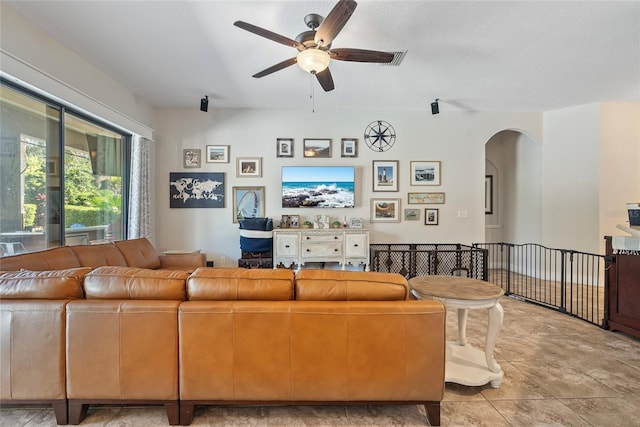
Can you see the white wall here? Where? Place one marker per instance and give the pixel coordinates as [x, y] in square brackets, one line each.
[30, 57]
[571, 174]
[619, 164]
[455, 139]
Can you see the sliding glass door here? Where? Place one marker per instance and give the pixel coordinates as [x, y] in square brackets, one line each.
[61, 176]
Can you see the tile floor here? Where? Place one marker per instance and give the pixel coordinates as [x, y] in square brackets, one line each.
[559, 371]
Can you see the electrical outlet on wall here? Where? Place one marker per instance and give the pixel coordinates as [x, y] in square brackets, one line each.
[223, 260]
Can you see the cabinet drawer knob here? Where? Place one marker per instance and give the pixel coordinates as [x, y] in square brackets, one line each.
[308, 237]
[286, 246]
[335, 237]
[335, 250]
[355, 245]
[308, 250]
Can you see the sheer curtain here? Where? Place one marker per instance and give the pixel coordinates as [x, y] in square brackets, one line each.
[139, 189]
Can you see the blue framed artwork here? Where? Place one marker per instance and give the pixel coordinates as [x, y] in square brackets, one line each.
[196, 190]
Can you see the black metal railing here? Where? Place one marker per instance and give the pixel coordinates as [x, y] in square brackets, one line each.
[568, 281]
[419, 259]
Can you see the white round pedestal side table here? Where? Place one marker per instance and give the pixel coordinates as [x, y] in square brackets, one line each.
[465, 364]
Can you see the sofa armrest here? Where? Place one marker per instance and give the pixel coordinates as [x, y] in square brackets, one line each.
[182, 261]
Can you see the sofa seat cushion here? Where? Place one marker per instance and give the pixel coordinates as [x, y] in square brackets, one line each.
[50, 259]
[139, 253]
[52, 285]
[135, 283]
[240, 284]
[99, 255]
[331, 285]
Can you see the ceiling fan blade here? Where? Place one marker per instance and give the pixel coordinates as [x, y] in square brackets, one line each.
[325, 80]
[279, 66]
[334, 22]
[269, 34]
[361, 55]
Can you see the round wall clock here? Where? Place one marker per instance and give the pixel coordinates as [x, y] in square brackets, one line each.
[380, 135]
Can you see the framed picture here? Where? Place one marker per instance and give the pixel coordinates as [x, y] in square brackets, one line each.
[196, 190]
[488, 194]
[217, 154]
[356, 222]
[385, 210]
[320, 148]
[411, 214]
[430, 216]
[385, 175]
[425, 198]
[284, 147]
[191, 157]
[349, 147]
[51, 166]
[321, 221]
[248, 167]
[425, 173]
[294, 221]
[248, 202]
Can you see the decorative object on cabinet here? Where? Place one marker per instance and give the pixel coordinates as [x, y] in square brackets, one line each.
[385, 175]
[411, 214]
[217, 154]
[349, 147]
[385, 210]
[321, 221]
[196, 190]
[488, 194]
[425, 198]
[431, 216]
[294, 221]
[307, 224]
[248, 202]
[321, 245]
[284, 147]
[318, 186]
[191, 157]
[356, 222]
[425, 172]
[379, 135]
[336, 224]
[319, 148]
[248, 167]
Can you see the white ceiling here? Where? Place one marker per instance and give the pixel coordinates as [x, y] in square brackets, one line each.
[473, 55]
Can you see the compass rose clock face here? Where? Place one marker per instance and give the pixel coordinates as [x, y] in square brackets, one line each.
[379, 135]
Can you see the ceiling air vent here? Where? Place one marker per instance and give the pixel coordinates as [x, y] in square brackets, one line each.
[397, 59]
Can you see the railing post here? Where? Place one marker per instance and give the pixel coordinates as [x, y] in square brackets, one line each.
[563, 280]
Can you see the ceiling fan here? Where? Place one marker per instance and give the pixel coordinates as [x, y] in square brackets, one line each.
[314, 46]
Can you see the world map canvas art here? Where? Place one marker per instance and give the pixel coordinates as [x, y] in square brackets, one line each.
[196, 190]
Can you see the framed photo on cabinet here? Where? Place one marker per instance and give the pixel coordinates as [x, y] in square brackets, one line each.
[425, 173]
[385, 175]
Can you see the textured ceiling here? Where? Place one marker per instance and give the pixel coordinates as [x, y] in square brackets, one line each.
[473, 55]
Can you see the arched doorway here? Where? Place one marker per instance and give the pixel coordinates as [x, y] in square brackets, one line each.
[513, 205]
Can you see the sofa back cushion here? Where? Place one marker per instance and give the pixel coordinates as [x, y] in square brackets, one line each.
[210, 284]
[135, 283]
[99, 255]
[57, 284]
[139, 253]
[58, 258]
[331, 285]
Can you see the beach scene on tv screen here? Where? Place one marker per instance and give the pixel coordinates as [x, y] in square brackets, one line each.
[318, 186]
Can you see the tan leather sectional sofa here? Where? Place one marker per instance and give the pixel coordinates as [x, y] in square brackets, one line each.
[216, 336]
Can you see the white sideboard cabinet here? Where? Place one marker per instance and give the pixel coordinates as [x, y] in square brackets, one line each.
[342, 245]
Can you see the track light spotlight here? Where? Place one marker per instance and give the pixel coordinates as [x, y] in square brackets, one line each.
[204, 104]
[435, 109]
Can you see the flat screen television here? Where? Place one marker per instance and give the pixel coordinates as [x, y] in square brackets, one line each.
[318, 186]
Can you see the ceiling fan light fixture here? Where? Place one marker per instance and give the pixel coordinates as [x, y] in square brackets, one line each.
[313, 61]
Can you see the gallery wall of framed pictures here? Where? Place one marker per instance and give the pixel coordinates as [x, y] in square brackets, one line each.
[386, 177]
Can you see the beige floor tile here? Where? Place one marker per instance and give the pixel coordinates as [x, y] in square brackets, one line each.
[609, 412]
[477, 414]
[515, 385]
[549, 412]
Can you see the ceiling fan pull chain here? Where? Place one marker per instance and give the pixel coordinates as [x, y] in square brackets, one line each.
[312, 94]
